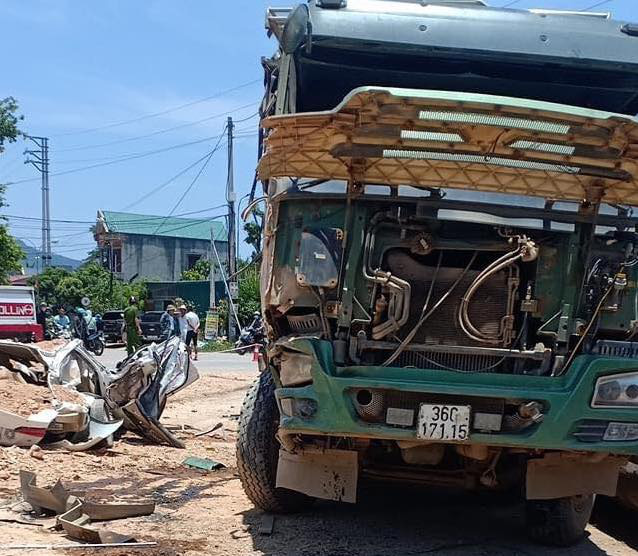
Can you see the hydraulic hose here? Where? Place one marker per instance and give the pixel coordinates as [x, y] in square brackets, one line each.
[464, 319]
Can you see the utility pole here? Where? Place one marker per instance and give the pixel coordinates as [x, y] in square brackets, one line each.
[211, 303]
[39, 158]
[230, 197]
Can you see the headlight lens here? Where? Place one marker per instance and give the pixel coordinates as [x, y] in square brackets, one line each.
[616, 391]
[295, 368]
[619, 432]
[298, 407]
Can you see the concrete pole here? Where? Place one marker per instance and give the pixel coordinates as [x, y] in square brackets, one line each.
[230, 197]
[211, 302]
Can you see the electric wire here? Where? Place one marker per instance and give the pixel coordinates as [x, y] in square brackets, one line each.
[145, 219]
[164, 184]
[190, 186]
[117, 160]
[596, 5]
[160, 131]
[161, 113]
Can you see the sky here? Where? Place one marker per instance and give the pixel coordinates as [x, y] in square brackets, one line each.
[110, 80]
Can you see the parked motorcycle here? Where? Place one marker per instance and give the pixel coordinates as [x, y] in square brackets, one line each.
[250, 335]
[94, 341]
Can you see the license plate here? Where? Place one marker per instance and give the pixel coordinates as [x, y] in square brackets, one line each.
[444, 422]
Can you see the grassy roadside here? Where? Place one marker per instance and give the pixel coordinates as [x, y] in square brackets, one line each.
[214, 346]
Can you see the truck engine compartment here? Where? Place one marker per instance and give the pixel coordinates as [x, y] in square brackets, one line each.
[464, 296]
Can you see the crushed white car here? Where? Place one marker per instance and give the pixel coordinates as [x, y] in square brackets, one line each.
[63, 397]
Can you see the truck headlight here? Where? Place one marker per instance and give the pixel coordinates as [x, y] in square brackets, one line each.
[616, 391]
[619, 432]
[295, 368]
[298, 407]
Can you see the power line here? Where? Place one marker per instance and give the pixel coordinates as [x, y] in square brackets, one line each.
[165, 184]
[161, 113]
[118, 160]
[201, 170]
[598, 4]
[139, 220]
[510, 4]
[159, 132]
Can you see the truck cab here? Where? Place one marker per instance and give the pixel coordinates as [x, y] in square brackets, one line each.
[18, 314]
[449, 273]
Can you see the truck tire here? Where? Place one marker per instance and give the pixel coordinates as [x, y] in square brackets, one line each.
[559, 522]
[258, 450]
[627, 493]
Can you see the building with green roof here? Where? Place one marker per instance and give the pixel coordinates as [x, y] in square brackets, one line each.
[156, 247]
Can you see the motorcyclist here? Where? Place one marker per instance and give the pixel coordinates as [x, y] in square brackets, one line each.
[256, 325]
[62, 322]
[251, 334]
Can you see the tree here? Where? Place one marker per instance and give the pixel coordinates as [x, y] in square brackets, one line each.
[248, 300]
[11, 255]
[9, 131]
[199, 271]
[253, 231]
[59, 287]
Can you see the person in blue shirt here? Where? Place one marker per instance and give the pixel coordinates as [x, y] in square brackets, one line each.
[61, 321]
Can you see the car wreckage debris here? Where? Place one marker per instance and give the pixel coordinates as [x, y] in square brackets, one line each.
[75, 514]
[135, 545]
[62, 397]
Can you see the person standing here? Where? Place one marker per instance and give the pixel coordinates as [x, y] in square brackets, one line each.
[41, 317]
[192, 331]
[62, 322]
[183, 325]
[168, 323]
[132, 327]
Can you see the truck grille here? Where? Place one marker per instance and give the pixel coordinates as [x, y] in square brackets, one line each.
[381, 400]
[613, 348]
[470, 363]
[590, 430]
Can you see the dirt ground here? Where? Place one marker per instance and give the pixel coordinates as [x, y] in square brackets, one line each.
[206, 513]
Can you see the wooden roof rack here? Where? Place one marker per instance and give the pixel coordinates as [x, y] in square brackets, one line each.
[460, 140]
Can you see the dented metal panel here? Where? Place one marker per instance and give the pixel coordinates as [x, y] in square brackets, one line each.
[325, 474]
[460, 140]
[559, 475]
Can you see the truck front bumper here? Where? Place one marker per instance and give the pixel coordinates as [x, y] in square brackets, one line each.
[569, 422]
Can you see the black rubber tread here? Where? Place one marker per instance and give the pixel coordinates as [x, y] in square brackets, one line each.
[559, 522]
[100, 348]
[627, 493]
[258, 450]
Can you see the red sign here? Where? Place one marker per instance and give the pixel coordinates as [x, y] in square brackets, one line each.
[16, 310]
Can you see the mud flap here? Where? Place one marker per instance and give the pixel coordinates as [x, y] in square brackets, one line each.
[556, 476]
[325, 474]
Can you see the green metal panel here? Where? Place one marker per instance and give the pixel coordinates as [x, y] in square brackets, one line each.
[567, 399]
[196, 292]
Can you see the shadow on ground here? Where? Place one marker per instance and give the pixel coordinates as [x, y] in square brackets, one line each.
[405, 521]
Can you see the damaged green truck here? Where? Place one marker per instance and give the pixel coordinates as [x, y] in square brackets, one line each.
[450, 257]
